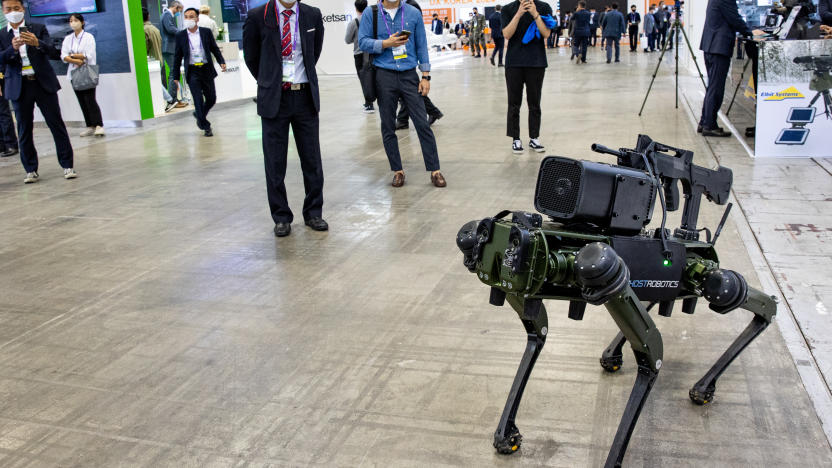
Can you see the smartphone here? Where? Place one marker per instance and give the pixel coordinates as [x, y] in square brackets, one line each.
[23, 29]
[405, 33]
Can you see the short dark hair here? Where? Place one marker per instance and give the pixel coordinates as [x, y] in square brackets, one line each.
[78, 16]
[191, 9]
[498, 8]
[360, 5]
[145, 14]
[436, 15]
[582, 4]
[614, 6]
[18, 1]
[632, 6]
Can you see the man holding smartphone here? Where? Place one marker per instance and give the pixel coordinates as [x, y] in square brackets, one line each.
[525, 67]
[394, 33]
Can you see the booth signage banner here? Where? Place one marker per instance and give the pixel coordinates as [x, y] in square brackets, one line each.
[794, 103]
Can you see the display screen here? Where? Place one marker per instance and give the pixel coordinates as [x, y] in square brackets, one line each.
[802, 115]
[235, 11]
[793, 136]
[61, 7]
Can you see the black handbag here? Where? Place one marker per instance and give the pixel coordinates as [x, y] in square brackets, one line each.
[368, 71]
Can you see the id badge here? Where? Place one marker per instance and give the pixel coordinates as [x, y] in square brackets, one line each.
[27, 70]
[198, 59]
[400, 52]
[288, 70]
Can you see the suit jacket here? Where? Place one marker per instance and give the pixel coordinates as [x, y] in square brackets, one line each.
[459, 29]
[39, 57]
[722, 23]
[662, 17]
[613, 24]
[495, 24]
[262, 49]
[437, 26]
[168, 30]
[649, 23]
[183, 52]
[580, 23]
[599, 18]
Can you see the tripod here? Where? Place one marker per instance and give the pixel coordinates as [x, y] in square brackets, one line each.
[827, 102]
[676, 28]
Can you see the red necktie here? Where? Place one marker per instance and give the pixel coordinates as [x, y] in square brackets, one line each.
[286, 41]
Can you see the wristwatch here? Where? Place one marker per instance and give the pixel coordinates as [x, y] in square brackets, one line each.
[426, 77]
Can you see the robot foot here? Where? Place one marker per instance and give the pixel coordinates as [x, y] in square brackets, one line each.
[702, 395]
[612, 363]
[508, 444]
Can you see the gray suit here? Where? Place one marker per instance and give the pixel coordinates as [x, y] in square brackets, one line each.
[169, 30]
[613, 27]
[650, 31]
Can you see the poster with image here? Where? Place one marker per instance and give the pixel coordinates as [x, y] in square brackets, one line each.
[794, 100]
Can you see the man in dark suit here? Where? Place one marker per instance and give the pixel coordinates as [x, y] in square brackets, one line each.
[580, 31]
[662, 17]
[722, 23]
[282, 41]
[594, 22]
[495, 25]
[169, 30]
[195, 46]
[30, 80]
[825, 11]
[633, 21]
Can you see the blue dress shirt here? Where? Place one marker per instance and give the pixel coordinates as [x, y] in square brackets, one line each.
[417, 45]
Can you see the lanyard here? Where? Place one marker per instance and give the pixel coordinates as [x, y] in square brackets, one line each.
[277, 21]
[80, 38]
[191, 42]
[401, 12]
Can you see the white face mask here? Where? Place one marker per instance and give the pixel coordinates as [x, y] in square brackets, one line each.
[189, 23]
[15, 17]
[76, 26]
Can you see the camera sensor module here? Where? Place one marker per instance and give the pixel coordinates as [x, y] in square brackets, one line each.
[792, 136]
[801, 115]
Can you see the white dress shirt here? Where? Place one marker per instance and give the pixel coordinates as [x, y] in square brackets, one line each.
[83, 43]
[195, 42]
[297, 49]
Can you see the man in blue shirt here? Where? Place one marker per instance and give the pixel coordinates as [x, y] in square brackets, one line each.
[394, 32]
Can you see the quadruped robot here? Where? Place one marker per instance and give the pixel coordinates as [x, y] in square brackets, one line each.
[595, 250]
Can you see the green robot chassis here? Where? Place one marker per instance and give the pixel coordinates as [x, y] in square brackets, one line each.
[525, 260]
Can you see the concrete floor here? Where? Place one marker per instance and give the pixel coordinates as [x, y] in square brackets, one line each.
[150, 318]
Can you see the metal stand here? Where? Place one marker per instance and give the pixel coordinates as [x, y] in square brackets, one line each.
[739, 84]
[677, 28]
[827, 102]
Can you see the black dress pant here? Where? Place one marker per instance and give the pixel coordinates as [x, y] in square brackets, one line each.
[362, 71]
[203, 92]
[593, 37]
[31, 93]
[89, 107]
[558, 32]
[171, 85]
[430, 109]
[8, 135]
[717, 67]
[633, 37]
[298, 110]
[532, 79]
[390, 87]
[499, 45]
[580, 46]
[661, 37]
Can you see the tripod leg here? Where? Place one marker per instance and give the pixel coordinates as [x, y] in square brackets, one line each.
[605, 279]
[739, 83]
[693, 56]
[613, 358]
[764, 307]
[827, 104]
[652, 80]
[507, 438]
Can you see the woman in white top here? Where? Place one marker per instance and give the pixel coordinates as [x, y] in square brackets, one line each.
[79, 49]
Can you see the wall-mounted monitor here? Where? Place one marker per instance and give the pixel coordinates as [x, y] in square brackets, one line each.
[61, 7]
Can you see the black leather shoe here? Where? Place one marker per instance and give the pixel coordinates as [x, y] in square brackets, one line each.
[433, 118]
[208, 132]
[317, 224]
[198, 125]
[699, 128]
[402, 125]
[9, 152]
[282, 229]
[715, 132]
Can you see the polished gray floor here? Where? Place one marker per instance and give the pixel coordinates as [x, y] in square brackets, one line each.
[150, 318]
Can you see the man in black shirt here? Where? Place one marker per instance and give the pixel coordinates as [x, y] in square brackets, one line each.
[633, 20]
[525, 66]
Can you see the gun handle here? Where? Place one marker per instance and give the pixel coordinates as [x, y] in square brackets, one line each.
[671, 194]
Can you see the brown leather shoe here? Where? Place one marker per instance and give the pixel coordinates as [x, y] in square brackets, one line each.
[398, 179]
[438, 180]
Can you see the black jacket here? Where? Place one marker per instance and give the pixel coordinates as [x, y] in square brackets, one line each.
[183, 52]
[722, 23]
[494, 23]
[39, 57]
[580, 20]
[262, 49]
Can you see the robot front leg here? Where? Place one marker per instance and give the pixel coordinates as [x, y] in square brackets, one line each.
[613, 357]
[727, 290]
[605, 279]
[532, 313]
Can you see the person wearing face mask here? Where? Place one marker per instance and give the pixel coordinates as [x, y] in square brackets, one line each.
[26, 49]
[650, 29]
[195, 46]
[633, 20]
[169, 30]
[77, 50]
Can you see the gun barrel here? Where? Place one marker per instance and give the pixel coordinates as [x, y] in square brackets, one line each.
[604, 150]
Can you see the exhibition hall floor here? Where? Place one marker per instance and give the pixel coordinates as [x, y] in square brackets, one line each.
[149, 317]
